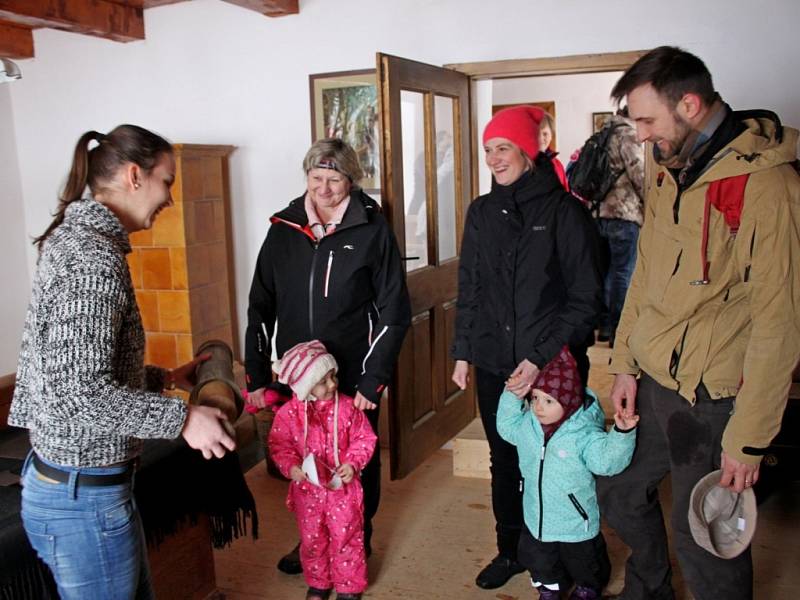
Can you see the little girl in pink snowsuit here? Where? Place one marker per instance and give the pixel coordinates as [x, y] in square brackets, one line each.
[322, 442]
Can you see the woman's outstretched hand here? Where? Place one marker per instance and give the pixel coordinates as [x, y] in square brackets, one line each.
[521, 380]
[204, 430]
[185, 376]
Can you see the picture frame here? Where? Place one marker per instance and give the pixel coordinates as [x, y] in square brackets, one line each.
[599, 120]
[548, 106]
[344, 104]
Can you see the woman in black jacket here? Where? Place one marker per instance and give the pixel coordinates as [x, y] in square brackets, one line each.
[330, 270]
[529, 283]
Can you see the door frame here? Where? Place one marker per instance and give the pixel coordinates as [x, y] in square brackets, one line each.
[572, 64]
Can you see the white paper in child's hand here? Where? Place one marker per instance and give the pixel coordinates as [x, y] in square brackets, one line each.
[310, 468]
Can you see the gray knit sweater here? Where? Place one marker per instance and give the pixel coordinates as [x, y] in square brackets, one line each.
[81, 382]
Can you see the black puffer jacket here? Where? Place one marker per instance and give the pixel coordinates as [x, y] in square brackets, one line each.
[348, 291]
[529, 280]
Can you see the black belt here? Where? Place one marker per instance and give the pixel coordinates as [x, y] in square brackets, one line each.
[86, 479]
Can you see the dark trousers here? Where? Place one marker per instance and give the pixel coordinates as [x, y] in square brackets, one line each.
[504, 466]
[621, 237]
[371, 479]
[585, 563]
[683, 440]
[371, 474]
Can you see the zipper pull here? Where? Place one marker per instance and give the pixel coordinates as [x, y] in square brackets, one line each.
[542, 457]
[520, 485]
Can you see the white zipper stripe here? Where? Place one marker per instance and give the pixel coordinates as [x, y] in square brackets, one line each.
[369, 337]
[266, 337]
[372, 347]
[328, 272]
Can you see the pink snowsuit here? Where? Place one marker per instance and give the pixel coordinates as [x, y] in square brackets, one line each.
[331, 522]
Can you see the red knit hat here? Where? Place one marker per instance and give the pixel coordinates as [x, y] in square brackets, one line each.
[520, 124]
[560, 379]
[303, 366]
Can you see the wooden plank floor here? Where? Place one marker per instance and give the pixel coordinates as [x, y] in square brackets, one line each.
[435, 531]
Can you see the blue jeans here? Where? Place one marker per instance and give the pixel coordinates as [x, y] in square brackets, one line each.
[621, 237]
[90, 537]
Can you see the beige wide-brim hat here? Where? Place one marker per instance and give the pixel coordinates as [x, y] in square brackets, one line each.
[721, 521]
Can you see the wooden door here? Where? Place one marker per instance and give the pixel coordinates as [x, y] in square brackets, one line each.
[425, 191]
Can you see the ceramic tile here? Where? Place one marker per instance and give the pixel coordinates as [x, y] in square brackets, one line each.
[173, 310]
[141, 238]
[156, 269]
[148, 308]
[192, 179]
[161, 350]
[168, 229]
[180, 275]
[212, 178]
[135, 267]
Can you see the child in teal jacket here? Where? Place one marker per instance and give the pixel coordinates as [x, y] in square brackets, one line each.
[562, 444]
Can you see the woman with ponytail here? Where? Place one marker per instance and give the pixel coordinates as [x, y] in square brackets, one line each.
[82, 388]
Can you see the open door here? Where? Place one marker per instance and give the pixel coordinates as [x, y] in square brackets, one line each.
[425, 191]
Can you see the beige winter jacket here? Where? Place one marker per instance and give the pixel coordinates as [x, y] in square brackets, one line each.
[739, 333]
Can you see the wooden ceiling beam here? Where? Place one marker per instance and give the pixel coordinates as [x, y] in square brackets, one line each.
[270, 8]
[101, 18]
[15, 41]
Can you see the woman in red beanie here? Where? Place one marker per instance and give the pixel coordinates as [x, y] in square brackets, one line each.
[529, 283]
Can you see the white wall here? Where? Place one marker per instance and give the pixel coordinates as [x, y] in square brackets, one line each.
[211, 72]
[13, 266]
[576, 98]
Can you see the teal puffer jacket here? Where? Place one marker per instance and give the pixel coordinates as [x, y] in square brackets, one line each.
[559, 500]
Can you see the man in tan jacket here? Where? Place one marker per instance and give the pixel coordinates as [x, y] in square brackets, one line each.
[710, 323]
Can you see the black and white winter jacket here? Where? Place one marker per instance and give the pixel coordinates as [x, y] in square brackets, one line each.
[348, 290]
[81, 378]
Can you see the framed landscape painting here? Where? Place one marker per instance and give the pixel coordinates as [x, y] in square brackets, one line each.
[344, 105]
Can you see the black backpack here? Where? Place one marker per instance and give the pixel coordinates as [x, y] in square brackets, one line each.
[591, 176]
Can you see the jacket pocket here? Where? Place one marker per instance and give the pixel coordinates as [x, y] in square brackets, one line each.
[665, 265]
[581, 511]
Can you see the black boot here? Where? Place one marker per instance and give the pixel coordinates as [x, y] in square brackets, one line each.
[498, 572]
[317, 594]
[547, 594]
[290, 563]
[584, 593]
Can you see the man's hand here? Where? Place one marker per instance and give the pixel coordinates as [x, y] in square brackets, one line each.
[737, 475]
[461, 374]
[203, 430]
[521, 380]
[623, 394]
[361, 402]
[346, 472]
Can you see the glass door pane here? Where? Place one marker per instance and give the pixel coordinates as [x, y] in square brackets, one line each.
[412, 122]
[445, 177]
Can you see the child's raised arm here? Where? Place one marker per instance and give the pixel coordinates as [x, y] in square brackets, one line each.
[609, 453]
[510, 416]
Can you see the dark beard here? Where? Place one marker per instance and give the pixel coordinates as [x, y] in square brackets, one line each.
[682, 129]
